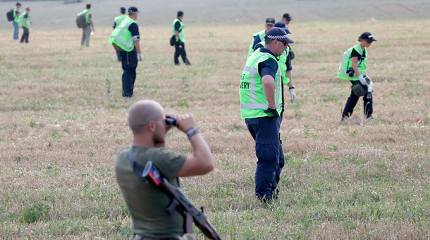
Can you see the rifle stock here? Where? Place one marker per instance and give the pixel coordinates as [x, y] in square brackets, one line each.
[184, 205]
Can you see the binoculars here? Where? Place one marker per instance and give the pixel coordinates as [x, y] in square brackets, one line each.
[170, 121]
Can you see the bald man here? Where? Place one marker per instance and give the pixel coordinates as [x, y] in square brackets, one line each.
[148, 204]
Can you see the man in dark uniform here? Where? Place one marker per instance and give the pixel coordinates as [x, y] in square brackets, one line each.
[179, 33]
[260, 105]
[126, 40]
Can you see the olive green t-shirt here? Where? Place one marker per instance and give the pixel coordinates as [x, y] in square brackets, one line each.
[146, 202]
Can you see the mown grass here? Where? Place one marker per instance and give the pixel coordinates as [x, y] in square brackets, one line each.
[63, 120]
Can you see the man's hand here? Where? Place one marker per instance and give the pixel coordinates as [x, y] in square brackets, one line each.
[140, 56]
[273, 111]
[185, 122]
[292, 94]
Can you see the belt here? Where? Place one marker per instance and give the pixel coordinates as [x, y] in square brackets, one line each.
[139, 237]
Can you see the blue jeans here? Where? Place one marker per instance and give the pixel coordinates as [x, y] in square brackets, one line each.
[268, 149]
[15, 31]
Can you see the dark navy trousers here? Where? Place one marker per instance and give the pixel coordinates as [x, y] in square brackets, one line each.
[268, 149]
[129, 65]
[180, 51]
[352, 101]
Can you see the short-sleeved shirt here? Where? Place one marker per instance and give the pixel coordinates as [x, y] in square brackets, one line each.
[268, 67]
[146, 202]
[354, 53]
[257, 40]
[134, 29]
[178, 25]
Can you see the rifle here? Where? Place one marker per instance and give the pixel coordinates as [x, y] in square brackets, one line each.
[180, 202]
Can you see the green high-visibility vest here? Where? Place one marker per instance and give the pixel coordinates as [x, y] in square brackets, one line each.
[282, 62]
[181, 31]
[253, 101]
[283, 65]
[21, 21]
[87, 16]
[15, 15]
[261, 34]
[119, 19]
[347, 63]
[121, 36]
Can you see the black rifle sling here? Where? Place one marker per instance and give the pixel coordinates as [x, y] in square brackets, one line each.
[188, 219]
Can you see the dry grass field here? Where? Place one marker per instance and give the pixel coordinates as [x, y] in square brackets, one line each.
[62, 120]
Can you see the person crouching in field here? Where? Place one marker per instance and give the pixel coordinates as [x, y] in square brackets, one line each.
[146, 202]
[353, 68]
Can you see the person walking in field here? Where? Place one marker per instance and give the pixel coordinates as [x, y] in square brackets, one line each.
[89, 28]
[179, 33]
[25, 22]
[286, 18]
[259, 36]
[125, 38]
[353, 68]
[260, 94]
[146, 202]
[116, 23]
[16, 14]
[285, 66]
[120, 18]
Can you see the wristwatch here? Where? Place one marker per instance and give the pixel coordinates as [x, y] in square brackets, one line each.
[191, 132]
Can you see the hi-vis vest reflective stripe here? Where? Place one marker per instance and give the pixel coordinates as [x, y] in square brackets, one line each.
[119, 19]
[181, 31]
[261, 34]
[121, 36]
[282, 62]
[21, 21]
[253, 101]
[347, 63]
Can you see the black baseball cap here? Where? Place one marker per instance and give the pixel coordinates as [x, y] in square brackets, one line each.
[278, 34]
[367, 36]
[122, 9]
[132, 10]
[270, 21]
[287, 16]
[180, 14]
[283, 26]
[28, 8]
[18, 4]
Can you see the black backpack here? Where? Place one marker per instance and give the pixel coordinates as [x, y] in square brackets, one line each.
[9, 15]
[81, 20]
